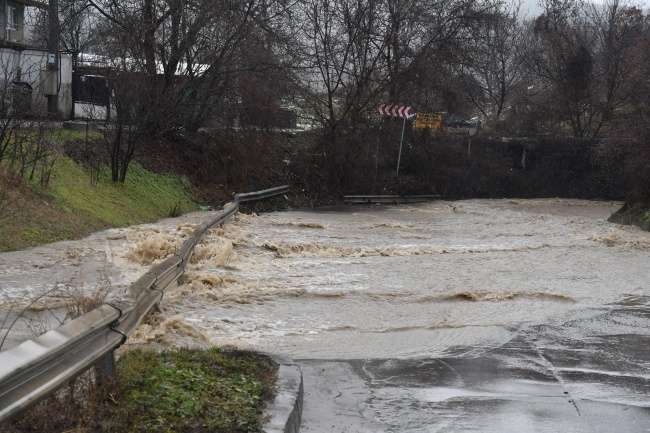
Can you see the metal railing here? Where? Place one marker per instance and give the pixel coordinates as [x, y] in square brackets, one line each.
[393, 199]
[37, 368]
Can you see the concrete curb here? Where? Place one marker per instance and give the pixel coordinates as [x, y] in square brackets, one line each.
[285, 412]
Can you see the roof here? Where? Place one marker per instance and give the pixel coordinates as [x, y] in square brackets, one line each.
[34, 3]
[99, 61]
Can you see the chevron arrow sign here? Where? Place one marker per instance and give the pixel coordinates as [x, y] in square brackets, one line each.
[395, 110]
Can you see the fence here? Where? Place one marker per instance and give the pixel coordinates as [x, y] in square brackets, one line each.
[36, 368]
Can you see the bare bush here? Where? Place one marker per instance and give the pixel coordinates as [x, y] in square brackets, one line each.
[56, 305]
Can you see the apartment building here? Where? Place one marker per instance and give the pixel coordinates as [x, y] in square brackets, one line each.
[25, 83]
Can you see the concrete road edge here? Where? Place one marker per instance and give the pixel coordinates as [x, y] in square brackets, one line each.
[285, 412]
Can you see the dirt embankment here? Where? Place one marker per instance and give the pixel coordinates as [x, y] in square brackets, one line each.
[634, 212]
[320, 170]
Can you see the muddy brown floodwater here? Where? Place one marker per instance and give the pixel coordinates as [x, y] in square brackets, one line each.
[476, 315]
[350, 282]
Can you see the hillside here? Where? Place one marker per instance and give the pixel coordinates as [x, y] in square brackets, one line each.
[77, 201]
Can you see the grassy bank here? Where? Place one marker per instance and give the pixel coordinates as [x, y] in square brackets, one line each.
[184, 390]
[75, 204]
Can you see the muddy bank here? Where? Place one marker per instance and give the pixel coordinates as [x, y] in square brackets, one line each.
[634, 212]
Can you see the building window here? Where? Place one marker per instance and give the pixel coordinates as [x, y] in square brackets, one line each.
[12, 18]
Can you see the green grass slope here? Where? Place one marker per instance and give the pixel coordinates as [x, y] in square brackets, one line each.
[71, 206]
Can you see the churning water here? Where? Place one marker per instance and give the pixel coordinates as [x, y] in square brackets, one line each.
[353, 282]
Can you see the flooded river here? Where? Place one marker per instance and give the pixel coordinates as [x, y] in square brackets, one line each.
[357, 282]
[465, 316]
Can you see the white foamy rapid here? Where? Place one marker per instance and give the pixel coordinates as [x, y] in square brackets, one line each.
[374, 281]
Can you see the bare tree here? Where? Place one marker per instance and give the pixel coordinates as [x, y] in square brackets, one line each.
[561, 57]
[27, 150]
[128, 95]
[182, 64]
[583, 59]
[618, 28]
[341, 59]
[357, 54]
[190, 51]
[492, 64]
[77, 27]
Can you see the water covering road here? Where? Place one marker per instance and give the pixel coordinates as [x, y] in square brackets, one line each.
[392, 303]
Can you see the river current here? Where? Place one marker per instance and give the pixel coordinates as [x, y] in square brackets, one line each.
[355, 282]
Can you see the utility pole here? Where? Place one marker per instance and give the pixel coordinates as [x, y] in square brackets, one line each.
[53, 59]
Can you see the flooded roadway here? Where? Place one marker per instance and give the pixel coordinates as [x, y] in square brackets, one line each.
[404, 318]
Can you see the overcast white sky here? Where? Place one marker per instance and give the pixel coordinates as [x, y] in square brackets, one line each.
[532, 6]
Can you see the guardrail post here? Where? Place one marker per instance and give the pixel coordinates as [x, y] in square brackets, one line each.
[106, 367]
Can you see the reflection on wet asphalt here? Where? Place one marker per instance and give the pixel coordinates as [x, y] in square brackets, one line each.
[558, 377]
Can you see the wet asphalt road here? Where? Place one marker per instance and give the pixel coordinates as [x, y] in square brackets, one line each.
[564, 376]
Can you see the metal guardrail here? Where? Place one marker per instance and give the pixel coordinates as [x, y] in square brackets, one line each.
[395, 199]
[250, 196]
[37, 368]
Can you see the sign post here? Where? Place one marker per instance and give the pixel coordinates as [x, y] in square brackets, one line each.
[401, 140]
[397, 111]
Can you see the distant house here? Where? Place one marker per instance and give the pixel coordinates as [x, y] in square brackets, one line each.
[24, 82]
[13, 22]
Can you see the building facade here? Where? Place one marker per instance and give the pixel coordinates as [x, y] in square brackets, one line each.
[25, 83]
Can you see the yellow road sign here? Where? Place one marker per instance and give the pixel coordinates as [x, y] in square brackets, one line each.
[428, 120]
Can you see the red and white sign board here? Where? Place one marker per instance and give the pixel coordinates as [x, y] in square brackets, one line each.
[395, 110]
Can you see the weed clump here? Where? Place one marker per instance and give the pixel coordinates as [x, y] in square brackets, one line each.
[185, 390]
